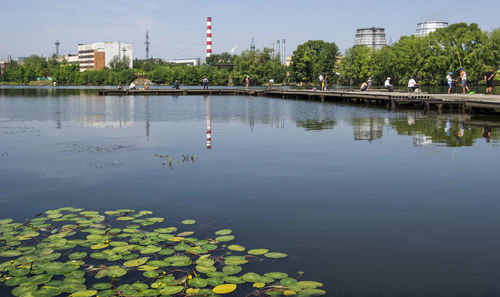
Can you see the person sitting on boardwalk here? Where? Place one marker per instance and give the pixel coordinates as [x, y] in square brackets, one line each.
[120, 86]
[412, 85]
[132, 86]
[271, 82]
[146, 86]
[364, 86]
[449, 80]
[205, 83]
[488, 79]
[176, 85]
[388, 85]
[463, 76]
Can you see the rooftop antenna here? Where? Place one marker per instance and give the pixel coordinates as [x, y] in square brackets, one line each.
[57, 43]
[252, 45]
[147, 45]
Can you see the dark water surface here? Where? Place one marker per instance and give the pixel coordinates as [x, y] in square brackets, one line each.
[369, 202]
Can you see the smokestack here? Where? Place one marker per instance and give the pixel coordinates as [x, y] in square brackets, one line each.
[209, 37]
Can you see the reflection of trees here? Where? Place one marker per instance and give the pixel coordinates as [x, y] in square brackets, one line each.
[449, 130]
[368, 128]
[316, 125]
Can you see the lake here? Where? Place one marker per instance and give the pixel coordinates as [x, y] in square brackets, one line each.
[368, 201]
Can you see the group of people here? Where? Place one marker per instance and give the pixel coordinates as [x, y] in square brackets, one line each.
[414, 86]
[323, 80]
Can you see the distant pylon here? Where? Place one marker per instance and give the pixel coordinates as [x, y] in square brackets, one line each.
[252, 45]
[147, 43]
[57, 43]
[209, 36]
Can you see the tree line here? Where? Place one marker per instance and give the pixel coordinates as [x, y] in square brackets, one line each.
[428, 58]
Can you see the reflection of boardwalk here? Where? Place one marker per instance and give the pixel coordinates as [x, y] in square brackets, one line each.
[380, 97]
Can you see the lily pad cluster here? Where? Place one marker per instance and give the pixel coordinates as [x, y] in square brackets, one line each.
[71, 251]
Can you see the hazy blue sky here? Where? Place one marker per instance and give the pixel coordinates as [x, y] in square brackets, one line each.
[177, 29]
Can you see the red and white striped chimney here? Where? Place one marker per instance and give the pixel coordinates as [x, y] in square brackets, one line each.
[209, 37]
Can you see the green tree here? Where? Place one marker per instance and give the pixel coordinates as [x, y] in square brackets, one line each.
[118, 63]
[312, 58]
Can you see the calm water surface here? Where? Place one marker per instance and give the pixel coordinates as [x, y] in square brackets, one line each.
[368, 201]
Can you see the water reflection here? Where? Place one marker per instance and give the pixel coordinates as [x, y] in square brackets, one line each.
[92, 111]
[107, 112]
[368, 128]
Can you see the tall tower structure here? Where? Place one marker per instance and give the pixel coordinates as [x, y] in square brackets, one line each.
[283, 57]
[252, 45]
[278, 48]
[424, 28]
[147, 43]
[371, 37]
[209, 37]
[57, 43]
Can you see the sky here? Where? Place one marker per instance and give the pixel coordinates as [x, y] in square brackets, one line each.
[177, 29]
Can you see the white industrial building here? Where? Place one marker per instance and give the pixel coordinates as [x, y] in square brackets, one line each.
[99, 55]
[372, 37]
[424, 28]
[190, 61]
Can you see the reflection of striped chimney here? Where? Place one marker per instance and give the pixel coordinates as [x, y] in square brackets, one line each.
[208, 116]
[209, 37]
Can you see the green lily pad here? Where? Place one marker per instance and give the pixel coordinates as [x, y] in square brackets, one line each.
[237, 248]
[224, 238]
[276, 275]
[231, 269]
[275, 255]
[258, 252]
[136, 262]
[198, 282]
[86, 293]
[189, 222]
[224, 232]
[171, 290]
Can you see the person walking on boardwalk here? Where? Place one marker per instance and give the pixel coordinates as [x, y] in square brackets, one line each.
[449, 80]
[388, 85]
[463, 77]
[370, 82]
[247, 82]
[488, 79]
[205, 83]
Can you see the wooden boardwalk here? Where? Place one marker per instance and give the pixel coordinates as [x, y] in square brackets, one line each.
[457, 102]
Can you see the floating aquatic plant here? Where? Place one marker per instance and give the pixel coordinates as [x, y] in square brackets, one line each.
[70, 251]
[167, 160]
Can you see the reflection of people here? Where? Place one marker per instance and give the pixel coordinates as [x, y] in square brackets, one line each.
[205, 83]
[487, 133]
[463, 76]
[388, 85]
[488, 79]
[363, 87]
[447, 128]
[176, 85]
[412, 84]
[247, 82]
